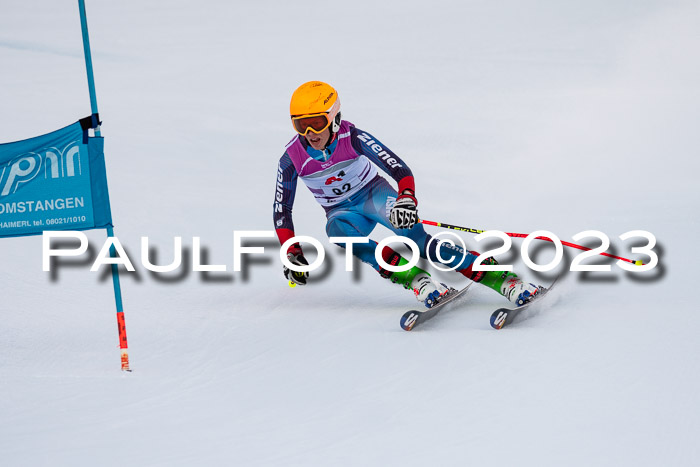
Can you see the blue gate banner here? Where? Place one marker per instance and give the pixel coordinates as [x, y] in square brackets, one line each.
[53, 182]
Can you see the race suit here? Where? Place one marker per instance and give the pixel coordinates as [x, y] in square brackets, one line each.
[345, 181]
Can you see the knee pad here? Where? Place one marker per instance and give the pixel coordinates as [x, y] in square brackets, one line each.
[477, 276]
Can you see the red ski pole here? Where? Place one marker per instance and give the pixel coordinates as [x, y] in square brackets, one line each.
[519, 235]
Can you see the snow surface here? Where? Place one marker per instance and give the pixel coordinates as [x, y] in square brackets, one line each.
[513, 115]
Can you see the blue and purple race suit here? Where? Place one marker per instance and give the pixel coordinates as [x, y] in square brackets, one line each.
[344, 180]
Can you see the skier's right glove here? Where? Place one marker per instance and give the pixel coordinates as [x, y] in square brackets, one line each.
[404, 214]
[296, 257]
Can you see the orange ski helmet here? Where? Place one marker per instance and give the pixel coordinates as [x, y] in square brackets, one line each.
[314, 107]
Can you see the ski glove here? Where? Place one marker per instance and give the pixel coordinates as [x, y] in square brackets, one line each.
[298, 278]
[404, 214]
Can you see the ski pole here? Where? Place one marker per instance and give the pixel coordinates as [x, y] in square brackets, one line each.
[519, 235]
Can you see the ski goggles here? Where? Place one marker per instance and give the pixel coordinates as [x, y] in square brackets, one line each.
[316, 123]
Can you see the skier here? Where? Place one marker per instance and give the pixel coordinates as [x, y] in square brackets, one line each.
[338, 163]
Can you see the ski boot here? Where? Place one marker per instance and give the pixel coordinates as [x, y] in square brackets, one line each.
[507, 284]
[519, 292]
[424, 288]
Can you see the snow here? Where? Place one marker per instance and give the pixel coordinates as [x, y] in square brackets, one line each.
[515, 116]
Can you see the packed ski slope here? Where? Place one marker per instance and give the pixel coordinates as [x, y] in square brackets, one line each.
[516, 116]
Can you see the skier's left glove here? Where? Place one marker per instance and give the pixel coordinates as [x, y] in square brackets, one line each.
[404, 214]
[296, 257]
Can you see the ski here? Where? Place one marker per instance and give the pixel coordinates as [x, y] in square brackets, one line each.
[413, 318]
[505, 316]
